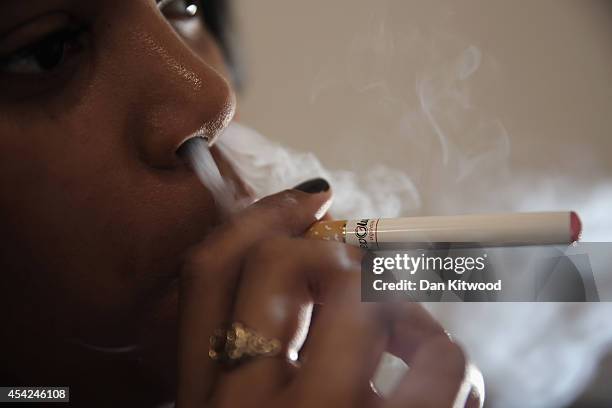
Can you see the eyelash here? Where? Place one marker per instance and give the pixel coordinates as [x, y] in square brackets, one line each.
[50, 62]
[45, 55]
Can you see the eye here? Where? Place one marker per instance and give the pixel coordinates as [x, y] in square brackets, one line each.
[43, 56]
[179, 9]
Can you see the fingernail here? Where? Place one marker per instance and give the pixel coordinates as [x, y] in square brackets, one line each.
[318, 185]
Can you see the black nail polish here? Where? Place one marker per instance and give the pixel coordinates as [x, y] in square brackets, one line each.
[313, 186]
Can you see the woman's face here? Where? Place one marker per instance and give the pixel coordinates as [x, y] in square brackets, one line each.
[96, 207]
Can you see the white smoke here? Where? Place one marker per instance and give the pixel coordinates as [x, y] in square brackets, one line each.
[268, 168]
[536, 355]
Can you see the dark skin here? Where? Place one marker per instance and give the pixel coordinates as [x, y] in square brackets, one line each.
[104, 228]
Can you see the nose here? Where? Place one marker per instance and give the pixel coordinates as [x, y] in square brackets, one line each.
[181, 95]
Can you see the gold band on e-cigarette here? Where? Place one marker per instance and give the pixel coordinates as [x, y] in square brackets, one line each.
[328, 231]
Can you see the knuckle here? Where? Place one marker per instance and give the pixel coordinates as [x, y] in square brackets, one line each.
[339, 277]
[283, 208]
[348, 261]
[273, 250]
[284, 201]
[349, 256]
[287, 198]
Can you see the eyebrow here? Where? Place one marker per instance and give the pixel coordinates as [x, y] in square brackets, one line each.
[14, 14]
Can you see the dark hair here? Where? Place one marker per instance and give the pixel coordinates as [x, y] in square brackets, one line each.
[217, 16]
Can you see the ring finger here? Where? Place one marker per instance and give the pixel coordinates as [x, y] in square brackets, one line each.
[278, 285]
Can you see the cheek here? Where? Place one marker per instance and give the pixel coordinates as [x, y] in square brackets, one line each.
[94, 234]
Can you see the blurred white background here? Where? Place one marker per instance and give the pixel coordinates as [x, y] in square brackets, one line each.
[332, 77]
[486, 105]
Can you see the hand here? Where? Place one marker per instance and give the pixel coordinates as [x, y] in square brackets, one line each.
[257, 270]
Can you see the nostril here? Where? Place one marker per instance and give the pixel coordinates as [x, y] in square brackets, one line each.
[211, 130]
[199, 135]
[185, 150]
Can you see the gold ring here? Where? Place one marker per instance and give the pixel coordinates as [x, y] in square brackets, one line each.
[239, 342]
